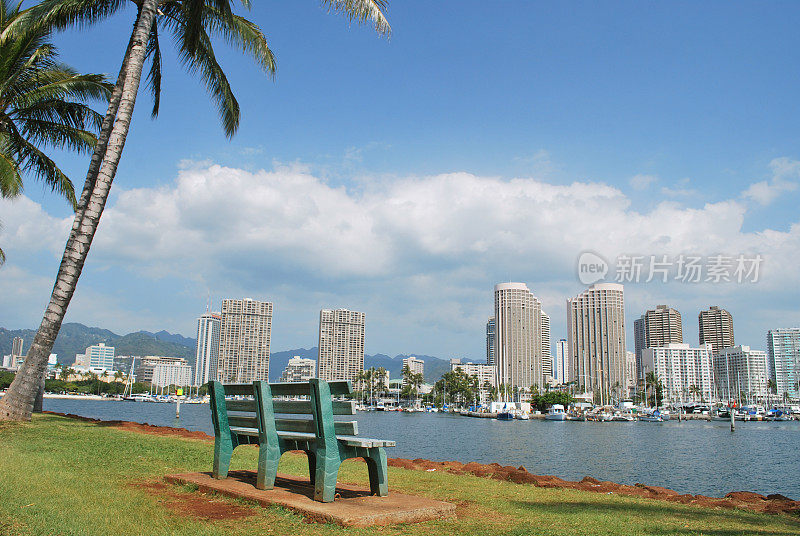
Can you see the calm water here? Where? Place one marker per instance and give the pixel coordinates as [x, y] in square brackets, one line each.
[690, 457]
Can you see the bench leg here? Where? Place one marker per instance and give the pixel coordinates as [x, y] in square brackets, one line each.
[326, 475]
[268, 458]
[223, 451]
[378, 471]
[312, 466]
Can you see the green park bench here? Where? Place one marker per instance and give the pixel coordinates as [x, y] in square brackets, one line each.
[326, 442]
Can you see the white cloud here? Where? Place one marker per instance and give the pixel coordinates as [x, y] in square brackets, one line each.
[785, 175]
[420, 255]
[642, 182]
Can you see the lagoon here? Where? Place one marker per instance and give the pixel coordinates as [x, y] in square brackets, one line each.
[689, 457]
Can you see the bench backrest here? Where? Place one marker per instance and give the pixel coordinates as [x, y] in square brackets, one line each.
[260, 412]
[319, 406]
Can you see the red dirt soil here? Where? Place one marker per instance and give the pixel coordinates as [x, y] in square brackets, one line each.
[772, 504]
[195, 505]
[738, 499]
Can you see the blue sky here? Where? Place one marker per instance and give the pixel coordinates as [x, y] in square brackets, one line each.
[626, 117]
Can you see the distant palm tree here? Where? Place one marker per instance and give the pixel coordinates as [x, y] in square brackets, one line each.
[41, 106]
[193, 24]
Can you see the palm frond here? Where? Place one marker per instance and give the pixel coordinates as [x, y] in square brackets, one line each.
[245, 35]
[363, 12]
[59, 135]
[38, 163]
[204, 62]
[63, 83]
[10, 178]
[61, 14]
[154, 74]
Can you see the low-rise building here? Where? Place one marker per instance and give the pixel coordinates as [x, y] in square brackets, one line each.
[740, 374]
[163, 371]
[486, 374]
[415, 366]
[685, 373]
[299, 369]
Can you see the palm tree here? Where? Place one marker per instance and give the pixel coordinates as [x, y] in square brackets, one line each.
[695, 390]
[41, 106]
[193, 24]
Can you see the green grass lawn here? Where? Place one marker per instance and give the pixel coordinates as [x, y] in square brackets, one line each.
[65, 477]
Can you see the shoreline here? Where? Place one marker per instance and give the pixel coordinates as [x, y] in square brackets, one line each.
[772, 503]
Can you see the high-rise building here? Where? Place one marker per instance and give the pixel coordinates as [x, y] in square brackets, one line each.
[416, 366]
[490, 330]
[655, 328]
[518, 336]
[783, 361]
[596, 335]
[341, 344]
[299, 369]
[716, 327]
[16, 347]
[207, 355]
[561, 363]
[244, 339]
[547, 357]
[685, 373]
[740, 374]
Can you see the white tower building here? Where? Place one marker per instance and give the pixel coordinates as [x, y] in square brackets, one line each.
[207, 354]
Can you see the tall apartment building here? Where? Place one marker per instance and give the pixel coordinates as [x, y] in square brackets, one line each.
[740, 374]
[341, 344]
[490, 330]
[686, 373]
[783, 361]
[655, 328]
[716, 327]
[596, 335]
[416, 366]
[547, 356]
[16, 347]
[244, 339]
[299, 369]
[207, 354]
[518, 336]
[561, 363]
[485, 373]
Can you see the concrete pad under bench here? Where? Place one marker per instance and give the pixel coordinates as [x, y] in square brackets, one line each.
[353, 507]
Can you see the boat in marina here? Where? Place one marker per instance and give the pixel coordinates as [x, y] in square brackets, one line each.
[624, 416]
[556, 413]
[650, 415]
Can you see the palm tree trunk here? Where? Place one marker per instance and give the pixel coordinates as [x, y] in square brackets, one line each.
[102, 139]
[18, 402]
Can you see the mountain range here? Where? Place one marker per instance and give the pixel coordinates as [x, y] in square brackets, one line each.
[74, 338]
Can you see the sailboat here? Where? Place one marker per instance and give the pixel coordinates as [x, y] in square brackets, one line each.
[506, 414]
